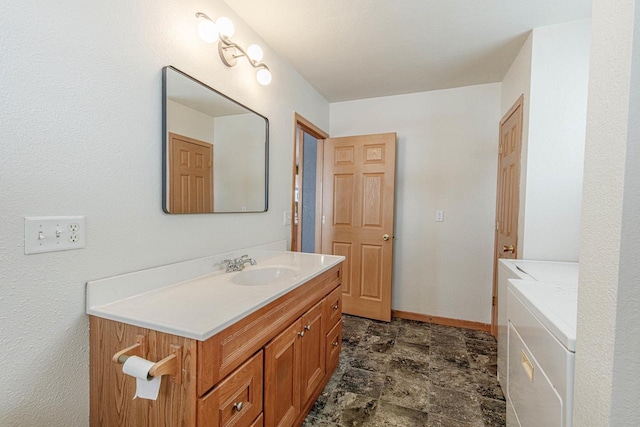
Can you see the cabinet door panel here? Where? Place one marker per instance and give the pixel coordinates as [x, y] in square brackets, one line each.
[282, 377]
[313, 351]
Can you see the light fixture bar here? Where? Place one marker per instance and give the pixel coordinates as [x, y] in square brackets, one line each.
[228, 51]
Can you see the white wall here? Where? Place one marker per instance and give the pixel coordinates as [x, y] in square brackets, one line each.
[607, 365]
[446, 160]
[515, 83]
[238, 159]
[555, 149]
[81, 121]
[189, 122]
[551, 71]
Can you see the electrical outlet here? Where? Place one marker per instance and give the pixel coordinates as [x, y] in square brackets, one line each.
[439, 216]
[50, 234]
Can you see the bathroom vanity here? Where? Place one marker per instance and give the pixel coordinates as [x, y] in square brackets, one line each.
[248, 348]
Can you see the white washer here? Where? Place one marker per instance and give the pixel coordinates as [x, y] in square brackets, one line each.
[535, 273]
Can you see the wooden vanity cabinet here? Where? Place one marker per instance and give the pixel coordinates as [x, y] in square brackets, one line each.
[294, 367]
[265, 370]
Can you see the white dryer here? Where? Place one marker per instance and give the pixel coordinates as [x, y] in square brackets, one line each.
[542, 344]
[544, 273]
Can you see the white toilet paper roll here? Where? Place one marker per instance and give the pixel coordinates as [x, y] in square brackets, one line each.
[139, 368]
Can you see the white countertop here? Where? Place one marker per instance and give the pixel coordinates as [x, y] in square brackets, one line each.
[200, 307]
[554, 304]
[543, 271]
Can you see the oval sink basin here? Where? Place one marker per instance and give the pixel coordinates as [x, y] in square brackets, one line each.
[262, 276]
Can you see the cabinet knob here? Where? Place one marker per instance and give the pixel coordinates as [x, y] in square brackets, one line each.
[301, 333]
[238, 406]
[307, 328]
[335, 307]
[335, 343]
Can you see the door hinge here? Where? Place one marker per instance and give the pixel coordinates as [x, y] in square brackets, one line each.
[500, 149]
[497, 225]
[493, 301]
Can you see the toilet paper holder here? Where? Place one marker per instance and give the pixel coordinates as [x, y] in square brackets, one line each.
[170, 365]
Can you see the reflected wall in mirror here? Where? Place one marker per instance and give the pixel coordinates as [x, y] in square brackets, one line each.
[215, 150]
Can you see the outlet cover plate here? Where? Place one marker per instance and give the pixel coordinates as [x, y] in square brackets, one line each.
[53, 233]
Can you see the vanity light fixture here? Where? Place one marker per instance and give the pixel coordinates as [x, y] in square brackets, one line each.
[221, 31]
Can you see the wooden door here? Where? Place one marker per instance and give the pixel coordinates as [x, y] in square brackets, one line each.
[282, 377]
[358, 201]
[313, 351]
[190, 175]
[508, 196]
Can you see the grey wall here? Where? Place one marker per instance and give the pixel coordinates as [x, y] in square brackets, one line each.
[310, 158]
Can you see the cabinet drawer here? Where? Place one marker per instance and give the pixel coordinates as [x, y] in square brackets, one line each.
[333, 308]
[259, 422]
[237, 400]
[334, 345]
[225, 351]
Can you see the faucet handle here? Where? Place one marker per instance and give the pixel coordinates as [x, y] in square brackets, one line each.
[226, 262]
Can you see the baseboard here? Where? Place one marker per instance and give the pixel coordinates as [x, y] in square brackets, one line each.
[446, 321]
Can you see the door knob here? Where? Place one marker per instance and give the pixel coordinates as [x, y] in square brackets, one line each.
[508, 248]
[385, 237]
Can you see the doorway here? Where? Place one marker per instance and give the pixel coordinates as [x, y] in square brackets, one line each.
[191, 175]
[306, 205]
[343, 204]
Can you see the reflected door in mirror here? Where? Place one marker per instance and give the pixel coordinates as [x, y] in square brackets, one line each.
[191, 174]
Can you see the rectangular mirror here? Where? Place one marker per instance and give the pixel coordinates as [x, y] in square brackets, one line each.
[215, 150]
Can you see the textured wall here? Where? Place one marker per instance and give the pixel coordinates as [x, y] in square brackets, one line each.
[80, 101]
[607, 275]
[551, 71]
[626, 367]
[447, 154]
[555, 149]
[517, 82]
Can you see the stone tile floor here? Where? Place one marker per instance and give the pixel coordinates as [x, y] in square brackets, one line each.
[411, 374]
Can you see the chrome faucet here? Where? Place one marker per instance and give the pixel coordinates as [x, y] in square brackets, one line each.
[237, 264]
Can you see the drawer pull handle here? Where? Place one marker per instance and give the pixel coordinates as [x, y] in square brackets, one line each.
[301, 333]
[528, 366]
[307, 328]
[335, 307]
[238, 406]
[335, 343]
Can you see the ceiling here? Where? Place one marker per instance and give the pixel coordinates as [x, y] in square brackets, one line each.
[353, 49]
[195, 95]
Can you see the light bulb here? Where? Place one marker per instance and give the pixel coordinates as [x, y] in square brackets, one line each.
[208, 31]
[225, 26]
[255, 52]
[264, 76]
